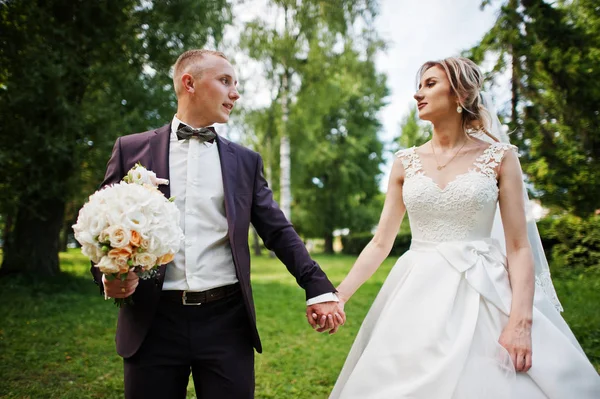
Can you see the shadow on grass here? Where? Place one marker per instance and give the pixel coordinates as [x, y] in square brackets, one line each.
[57, 339]
[63, 283]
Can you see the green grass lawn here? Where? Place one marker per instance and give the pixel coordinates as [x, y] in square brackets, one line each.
[57, 336]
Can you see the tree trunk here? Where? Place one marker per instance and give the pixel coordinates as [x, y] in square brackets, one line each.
[8, 222]
[514, 101]
[64, 235]
[329, 243]
[32, 246]
[255, 242]
[269, 169]
[284, 150]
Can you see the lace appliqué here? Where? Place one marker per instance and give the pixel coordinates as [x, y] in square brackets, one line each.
[544, 281]
[459, 211]
[488, 162]
[410, 161]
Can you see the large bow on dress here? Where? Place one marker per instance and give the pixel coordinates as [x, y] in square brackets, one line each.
[483, 265]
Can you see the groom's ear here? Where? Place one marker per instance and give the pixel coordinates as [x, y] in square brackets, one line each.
[187, 81]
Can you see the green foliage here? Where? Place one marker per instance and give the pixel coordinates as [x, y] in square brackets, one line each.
[337, 153]
[353, 244]
[552, 52]
[413, 131]
[73, 77]
[325, 97]
[574, 242]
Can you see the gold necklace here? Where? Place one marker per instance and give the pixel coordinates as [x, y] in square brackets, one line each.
[440, 167]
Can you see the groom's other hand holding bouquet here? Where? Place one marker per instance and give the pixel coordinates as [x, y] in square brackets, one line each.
[118, 288]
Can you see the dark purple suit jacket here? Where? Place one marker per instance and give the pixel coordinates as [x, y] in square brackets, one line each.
[248, 199]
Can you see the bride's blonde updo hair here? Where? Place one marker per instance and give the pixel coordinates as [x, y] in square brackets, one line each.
[466, 81]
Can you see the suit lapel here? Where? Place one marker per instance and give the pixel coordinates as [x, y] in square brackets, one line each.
[159, 148]
[228, 157]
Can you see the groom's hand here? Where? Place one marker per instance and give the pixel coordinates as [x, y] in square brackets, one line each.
[326, 316]
[121, 289]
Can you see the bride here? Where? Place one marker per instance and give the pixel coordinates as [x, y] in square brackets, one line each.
[469, 311]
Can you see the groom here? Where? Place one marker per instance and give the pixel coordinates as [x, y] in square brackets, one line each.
[198, 315]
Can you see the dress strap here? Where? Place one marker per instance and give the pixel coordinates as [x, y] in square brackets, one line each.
[488, 162]
[410, 161]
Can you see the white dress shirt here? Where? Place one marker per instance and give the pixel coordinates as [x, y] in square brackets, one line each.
[205, 260]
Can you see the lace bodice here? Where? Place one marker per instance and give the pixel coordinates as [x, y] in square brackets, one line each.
[464, 209]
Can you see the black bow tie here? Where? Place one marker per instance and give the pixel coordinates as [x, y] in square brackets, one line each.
[184, 132]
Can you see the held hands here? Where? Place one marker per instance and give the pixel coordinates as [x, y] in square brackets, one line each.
[516, 339]
[120, 289]
[326, 316]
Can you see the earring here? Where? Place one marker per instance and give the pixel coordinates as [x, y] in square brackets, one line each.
[459, 109]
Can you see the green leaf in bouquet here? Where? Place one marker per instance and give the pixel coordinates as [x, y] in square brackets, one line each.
[120, 302]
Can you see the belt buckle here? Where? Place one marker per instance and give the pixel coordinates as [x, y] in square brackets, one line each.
[184, 300]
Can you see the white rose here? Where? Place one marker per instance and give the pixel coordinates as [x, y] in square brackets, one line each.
[153, 245]
[93, 252]
[144, 259]
[89, 221]
[96, 219]
[145, 243]
[138, 175]
[83, 237]
[119, 236]
[135, 219]
[107, 265]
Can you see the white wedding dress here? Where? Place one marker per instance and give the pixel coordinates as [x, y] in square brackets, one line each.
[432, 332]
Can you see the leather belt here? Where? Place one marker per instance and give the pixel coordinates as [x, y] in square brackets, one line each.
[200, 297]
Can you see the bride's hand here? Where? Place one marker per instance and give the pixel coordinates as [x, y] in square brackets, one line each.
[516, 339]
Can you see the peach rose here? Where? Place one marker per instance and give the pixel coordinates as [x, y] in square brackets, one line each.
[107, 265]
[124, 252]
[136, 239]
[166, 258]
[120, 256]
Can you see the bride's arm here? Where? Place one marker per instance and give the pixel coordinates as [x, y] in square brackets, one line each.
[380, 246]
[516, 337]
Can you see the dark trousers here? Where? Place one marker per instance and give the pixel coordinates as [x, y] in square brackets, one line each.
[211, 340]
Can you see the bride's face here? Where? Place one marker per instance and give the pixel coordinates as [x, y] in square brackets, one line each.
[435, 99]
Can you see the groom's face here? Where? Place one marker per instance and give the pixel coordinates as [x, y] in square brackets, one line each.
[215, 90]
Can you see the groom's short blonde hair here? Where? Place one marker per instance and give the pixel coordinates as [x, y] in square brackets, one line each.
[188, 62]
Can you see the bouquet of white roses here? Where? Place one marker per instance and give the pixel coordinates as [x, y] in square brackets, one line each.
[129, 226]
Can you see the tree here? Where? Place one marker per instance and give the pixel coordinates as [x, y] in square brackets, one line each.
[413, 132]
[284, 47]
[337, 154]
[75, 75]
[553, 53]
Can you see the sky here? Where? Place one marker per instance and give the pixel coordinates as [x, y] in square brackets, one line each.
[415, 30]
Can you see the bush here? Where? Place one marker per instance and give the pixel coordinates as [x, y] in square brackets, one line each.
[549, 239]
[572, 240]
[353, 244]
